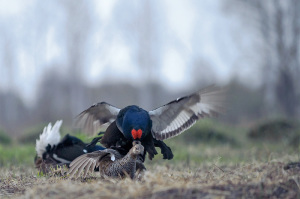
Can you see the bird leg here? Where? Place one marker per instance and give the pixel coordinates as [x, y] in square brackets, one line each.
[147, 142]
[165, 150]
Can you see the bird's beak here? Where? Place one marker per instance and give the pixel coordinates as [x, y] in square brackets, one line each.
[135, 142]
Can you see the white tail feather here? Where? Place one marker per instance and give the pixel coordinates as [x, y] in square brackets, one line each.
[49, 136]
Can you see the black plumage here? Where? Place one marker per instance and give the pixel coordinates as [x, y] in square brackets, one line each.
[68, 149]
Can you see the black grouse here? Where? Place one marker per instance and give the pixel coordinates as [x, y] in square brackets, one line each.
[53, 152]
[151, 127]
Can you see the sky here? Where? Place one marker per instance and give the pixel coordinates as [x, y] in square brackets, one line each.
[185, 31]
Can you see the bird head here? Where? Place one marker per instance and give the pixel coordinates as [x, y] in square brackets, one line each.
[137, 148]
[134, 123]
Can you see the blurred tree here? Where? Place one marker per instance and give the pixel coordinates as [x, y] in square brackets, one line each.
[137, 25]
[202, 72]
[13, 113]
[276, 24]
[245, 105]
[76, 31]
[53, 100]
[10, 101]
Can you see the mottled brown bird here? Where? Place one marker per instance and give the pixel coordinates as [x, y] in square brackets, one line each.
[110, 162]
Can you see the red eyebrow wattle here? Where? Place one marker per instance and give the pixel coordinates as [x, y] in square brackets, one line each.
[136, 134]
[139, 133]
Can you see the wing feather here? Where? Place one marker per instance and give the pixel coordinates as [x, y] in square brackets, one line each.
[97, 116]
[87, 162]
[177, 116]
[75, 167]
[88, 167]
[82, 166]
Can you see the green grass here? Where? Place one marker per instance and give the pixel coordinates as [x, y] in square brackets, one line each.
[206, 142]
[16, 155]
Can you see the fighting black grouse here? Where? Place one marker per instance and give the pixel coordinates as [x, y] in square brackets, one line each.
[151, 127]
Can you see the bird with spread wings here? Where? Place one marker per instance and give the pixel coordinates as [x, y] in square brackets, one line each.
[133, 123]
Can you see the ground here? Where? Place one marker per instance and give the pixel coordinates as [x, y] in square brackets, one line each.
[227, 167]
[256, 180]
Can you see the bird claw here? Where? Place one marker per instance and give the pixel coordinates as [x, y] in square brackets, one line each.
[167, 153]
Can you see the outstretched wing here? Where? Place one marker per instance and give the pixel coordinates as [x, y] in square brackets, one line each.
[88, 162]
[175, 117]
[93, 118]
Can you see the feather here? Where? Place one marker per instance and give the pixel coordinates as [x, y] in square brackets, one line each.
[87, 162]
[177, 116]
[87, 168]
[110, 162]
[50, 136]
[98, 115]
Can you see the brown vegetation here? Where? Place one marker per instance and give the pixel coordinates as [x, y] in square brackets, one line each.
[257, 180]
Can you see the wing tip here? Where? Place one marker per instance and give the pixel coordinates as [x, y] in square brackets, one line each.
[94, 117]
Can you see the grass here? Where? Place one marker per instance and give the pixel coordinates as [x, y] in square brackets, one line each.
[255, 180]
[16, 155]
[211, 161]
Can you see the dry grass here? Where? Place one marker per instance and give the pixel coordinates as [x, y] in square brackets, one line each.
[256, 180]
[218, 169]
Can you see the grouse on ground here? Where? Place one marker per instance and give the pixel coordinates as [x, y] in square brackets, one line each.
[110, 162]
[151, 127]
[53, 152]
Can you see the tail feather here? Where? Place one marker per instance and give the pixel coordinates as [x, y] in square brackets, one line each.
[50, 136]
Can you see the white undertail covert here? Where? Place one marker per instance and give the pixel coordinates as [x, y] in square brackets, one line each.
[50, 135]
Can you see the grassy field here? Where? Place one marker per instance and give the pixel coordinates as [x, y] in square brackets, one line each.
[210, 161]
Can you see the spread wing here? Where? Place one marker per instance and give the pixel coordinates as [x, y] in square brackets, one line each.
[175, 117]
[95, 117]
[88, 162]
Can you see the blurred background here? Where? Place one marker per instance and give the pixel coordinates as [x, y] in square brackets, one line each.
[59, 57]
